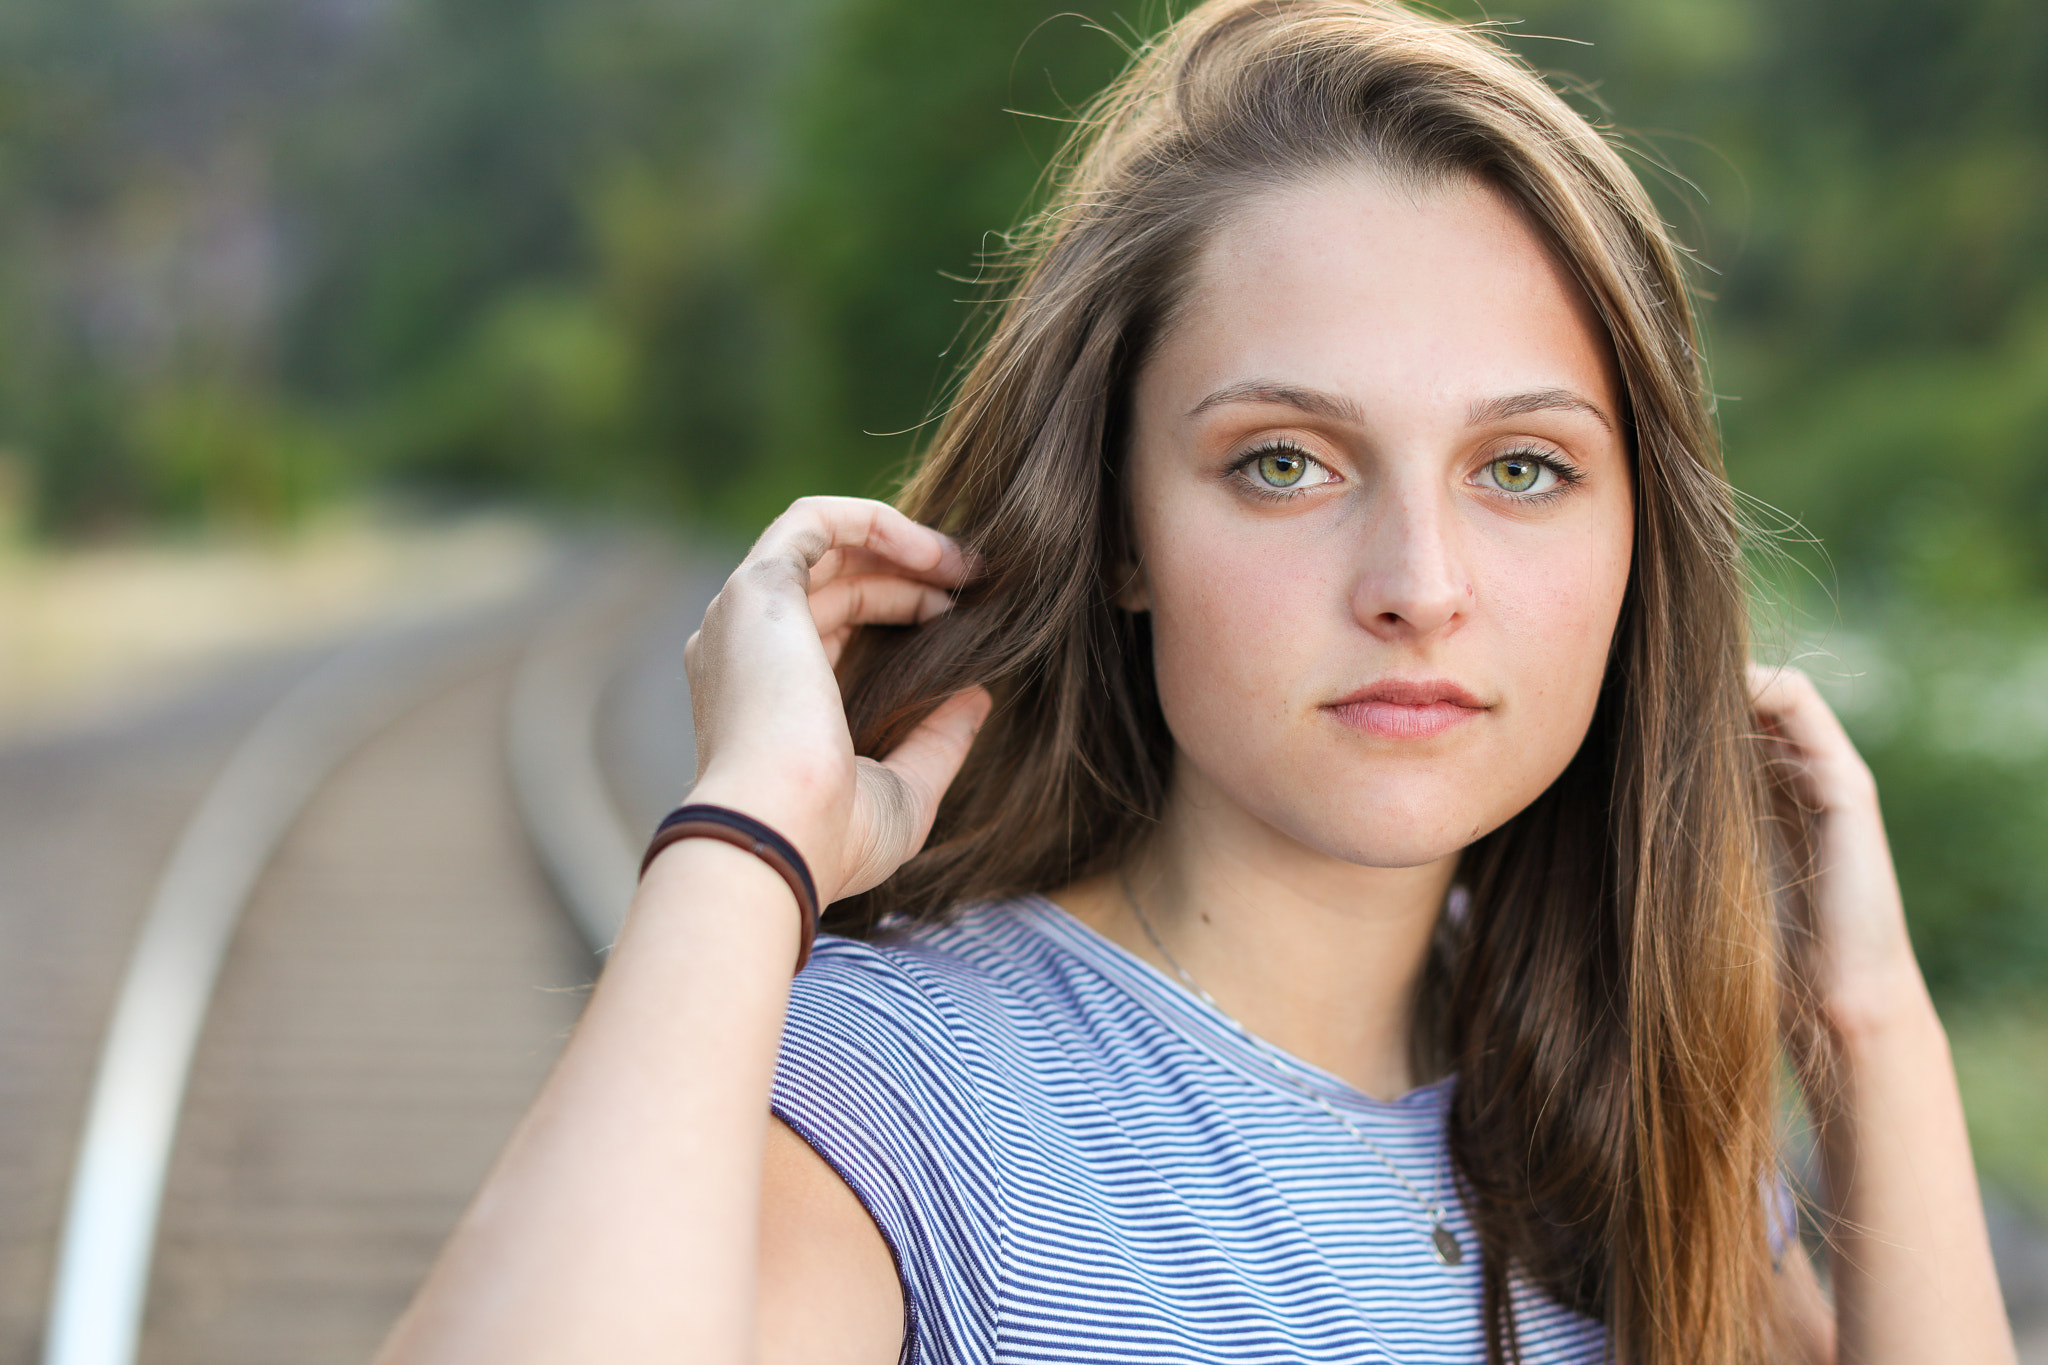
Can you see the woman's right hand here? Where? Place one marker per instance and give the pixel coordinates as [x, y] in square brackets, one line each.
[772, 737]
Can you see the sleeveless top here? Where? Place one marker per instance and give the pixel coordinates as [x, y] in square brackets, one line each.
[1074, 1159]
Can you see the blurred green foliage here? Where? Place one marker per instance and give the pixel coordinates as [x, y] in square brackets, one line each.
[258, 251]
[698, 256]
[918, 133]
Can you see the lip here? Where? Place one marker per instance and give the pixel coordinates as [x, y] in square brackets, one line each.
[1403, 708]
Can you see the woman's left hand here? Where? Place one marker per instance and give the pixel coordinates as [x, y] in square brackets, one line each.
[1914, 1282]
[1864, 970]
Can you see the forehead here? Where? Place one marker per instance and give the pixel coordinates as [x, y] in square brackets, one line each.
[1377, 287]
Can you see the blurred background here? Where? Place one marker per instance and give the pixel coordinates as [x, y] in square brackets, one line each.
[318, 312]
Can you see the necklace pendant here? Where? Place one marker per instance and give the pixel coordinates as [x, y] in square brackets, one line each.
[1448, 1250]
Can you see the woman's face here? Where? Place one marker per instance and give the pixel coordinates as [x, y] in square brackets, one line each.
[1382, 501]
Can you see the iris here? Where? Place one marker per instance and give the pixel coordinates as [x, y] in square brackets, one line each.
[1282, 468]
[1516, 473]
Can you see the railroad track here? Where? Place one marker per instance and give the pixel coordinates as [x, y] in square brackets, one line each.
[340, 992]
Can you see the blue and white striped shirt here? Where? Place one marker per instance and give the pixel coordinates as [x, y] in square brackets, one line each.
[1073, 1159]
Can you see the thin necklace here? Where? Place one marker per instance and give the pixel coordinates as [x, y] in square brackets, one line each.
[1443, 1242]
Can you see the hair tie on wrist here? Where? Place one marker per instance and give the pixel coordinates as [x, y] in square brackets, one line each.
[744, 831]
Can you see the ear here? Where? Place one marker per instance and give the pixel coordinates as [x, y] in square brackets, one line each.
[1133, 592]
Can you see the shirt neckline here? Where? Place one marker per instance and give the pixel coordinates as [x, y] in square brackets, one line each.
[1214, 1033]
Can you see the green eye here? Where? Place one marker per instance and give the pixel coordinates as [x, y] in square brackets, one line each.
[1516, 473]
[1282, 468]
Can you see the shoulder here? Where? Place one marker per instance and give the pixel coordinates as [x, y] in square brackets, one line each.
[931, 981]
[910, 1017]
[960, 980]
[954, 1027]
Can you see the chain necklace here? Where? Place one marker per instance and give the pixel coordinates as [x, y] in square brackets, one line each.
[1443, 1242]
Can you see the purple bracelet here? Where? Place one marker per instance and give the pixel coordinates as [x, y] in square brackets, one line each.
[744, 831]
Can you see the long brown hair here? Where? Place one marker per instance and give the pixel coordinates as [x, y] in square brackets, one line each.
[1610, 1001]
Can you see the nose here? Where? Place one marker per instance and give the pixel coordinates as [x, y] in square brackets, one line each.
[1412, 581]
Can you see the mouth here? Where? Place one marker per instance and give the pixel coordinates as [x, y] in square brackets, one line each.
[1403, 709]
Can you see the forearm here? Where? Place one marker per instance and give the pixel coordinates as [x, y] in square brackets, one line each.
[620, 1223]
[1913, 1277]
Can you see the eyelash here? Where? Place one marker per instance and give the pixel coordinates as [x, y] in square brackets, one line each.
[1567, 473]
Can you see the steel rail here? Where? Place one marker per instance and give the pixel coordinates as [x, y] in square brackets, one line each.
[551, 747]
[103, 1267]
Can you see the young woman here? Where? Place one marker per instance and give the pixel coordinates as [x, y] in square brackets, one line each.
[1318, 896]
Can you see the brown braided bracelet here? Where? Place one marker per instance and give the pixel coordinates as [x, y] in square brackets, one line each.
[744, 831]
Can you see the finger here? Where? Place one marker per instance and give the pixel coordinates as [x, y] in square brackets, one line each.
[852, 560]
[1788, 697]
[1810, 736]
[814, 528]
[930, 756]
[900, 794]
[1773, 688]
[873, 599]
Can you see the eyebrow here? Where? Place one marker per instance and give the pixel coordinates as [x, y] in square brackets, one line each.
[1536, 400]
[1320, 404]
[1313, 401]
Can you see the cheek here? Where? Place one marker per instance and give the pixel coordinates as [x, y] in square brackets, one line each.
[1555, 611]
[1231, 625]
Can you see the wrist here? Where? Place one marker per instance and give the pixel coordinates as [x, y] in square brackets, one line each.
[698, 820]
[1878, 1006]
[800, 811]
[707, 885]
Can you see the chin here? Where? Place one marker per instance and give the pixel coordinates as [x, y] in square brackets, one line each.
[1392, 825]
[1394, 849]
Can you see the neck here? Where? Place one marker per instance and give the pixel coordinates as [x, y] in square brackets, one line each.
[1315, 955]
